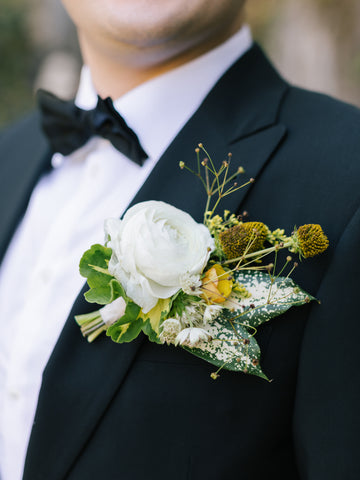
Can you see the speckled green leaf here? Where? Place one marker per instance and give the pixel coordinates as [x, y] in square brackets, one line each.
[233, 345]
[270, 297]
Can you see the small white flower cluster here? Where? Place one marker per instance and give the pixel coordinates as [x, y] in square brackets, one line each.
[191, 284]
[188, 329]
[191, 336]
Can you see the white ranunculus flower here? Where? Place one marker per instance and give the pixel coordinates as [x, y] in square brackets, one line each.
[153, 247]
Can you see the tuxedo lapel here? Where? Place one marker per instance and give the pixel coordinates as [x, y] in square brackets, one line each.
[238, 116]
[78, 384]
[80, 380]
[23, 159]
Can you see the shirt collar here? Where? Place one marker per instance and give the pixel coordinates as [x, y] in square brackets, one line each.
[157, 109]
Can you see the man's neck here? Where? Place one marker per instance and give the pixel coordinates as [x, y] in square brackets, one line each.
[114, 71]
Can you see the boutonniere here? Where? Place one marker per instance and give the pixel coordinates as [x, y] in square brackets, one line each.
[202, 287]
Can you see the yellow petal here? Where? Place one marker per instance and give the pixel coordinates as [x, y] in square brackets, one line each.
[216, 285]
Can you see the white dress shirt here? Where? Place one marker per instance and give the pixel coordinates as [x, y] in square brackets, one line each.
[39, 278]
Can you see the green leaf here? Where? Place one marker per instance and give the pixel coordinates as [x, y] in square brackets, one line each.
[180, 301]
[96, 256]
[104, 288]
[270, 297]
[128, 327]
[233, 345]
[127, 332]
[105, 294]
[100, 295]
[154, 318]
[150, 333]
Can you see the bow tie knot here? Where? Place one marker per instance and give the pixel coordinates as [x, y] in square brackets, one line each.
[68, 127]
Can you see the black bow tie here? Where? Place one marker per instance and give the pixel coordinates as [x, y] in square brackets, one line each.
[68, 127]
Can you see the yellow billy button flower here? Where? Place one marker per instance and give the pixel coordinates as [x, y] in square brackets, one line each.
[310, 240]
[248, 237]
[216, 284]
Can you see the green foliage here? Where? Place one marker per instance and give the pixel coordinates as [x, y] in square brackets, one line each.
[128, 327]
[104, 288]
[154, 318]
[126, 332]
[180, 302]
[233, 345]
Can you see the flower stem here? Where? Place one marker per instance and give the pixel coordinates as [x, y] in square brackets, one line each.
[263, 252]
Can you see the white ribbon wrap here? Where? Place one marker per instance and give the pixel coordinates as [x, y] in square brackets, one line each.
[113, 311]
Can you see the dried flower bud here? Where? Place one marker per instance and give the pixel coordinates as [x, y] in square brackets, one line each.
[311, 240]
[182, 165]
[214, 375]
[240, 239]
[240, 170]
[204, 162]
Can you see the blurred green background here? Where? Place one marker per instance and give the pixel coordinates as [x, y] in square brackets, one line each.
[314, 43]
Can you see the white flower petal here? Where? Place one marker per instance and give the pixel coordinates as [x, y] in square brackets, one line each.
[191, 336]
[211, 312]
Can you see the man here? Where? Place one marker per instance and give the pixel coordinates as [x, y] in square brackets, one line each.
[182, 72]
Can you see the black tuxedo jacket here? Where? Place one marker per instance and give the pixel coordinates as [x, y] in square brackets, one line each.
[144, 411]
